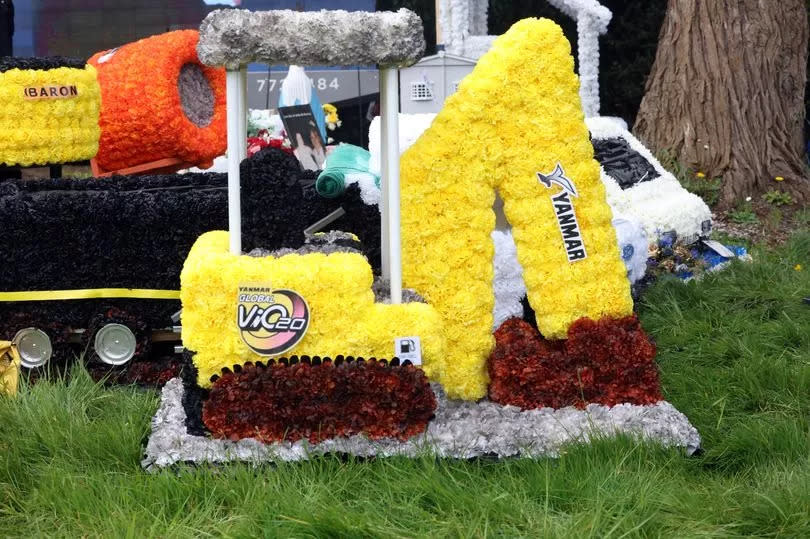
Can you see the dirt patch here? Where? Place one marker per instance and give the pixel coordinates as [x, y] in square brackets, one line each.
[764, 223]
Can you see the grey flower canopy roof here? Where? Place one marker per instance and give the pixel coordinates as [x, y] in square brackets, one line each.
[234, 37]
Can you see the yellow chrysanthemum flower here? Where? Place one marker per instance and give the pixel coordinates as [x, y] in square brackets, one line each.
[42, 131]
[337, 288]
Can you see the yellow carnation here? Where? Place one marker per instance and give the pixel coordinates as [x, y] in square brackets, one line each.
[337, 288]
[48, 131]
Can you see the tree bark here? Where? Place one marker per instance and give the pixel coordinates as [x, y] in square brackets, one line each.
[726, 93]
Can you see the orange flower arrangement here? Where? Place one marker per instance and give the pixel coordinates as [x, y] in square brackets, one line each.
[144, 115]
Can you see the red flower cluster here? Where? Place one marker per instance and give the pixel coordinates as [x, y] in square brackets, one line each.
[318, 400]
[607, 362]
[263, 140]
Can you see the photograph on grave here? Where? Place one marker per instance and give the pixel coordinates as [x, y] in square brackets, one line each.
[304, 135]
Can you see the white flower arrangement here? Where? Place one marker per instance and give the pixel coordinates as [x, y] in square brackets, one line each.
[370, 194]
[411, 127]
[464, 27]
[508, 282]
[633, 245]
[592, 21]
[587, 8]
[259, 119]
[661, 204]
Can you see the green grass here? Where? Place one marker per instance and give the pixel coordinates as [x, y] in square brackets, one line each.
[734, 351]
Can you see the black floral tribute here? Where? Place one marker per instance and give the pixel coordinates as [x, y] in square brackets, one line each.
[41, 63]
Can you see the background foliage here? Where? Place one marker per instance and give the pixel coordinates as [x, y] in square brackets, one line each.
[627, 51]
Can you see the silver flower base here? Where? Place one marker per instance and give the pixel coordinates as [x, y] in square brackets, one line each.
[460, 430]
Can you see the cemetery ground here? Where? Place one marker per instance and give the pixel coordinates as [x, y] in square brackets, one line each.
[734, 353]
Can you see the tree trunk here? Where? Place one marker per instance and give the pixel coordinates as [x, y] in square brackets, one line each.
[726, 93]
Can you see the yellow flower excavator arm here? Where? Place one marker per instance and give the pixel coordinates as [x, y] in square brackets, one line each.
[530, 144]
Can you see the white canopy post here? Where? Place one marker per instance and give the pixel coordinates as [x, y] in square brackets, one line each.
[385, 258]
[390, 210]
[243, 112]
[235, 108]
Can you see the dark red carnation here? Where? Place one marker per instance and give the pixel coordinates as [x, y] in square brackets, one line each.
[610, 361]
[279, 402]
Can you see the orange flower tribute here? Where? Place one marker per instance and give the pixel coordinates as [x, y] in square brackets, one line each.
[145, 116]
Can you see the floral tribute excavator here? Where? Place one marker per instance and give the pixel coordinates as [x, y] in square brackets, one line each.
[243, 315]
[276, 337]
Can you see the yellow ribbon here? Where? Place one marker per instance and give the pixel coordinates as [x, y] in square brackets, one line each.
[9, 368]
[53, 295]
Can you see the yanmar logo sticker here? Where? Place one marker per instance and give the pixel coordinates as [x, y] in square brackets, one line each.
[271, 321]
[564, 210]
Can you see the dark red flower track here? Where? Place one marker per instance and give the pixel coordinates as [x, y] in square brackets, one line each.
[317, 402]
[608, 362]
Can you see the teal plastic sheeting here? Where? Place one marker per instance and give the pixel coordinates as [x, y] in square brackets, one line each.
[344, 160]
